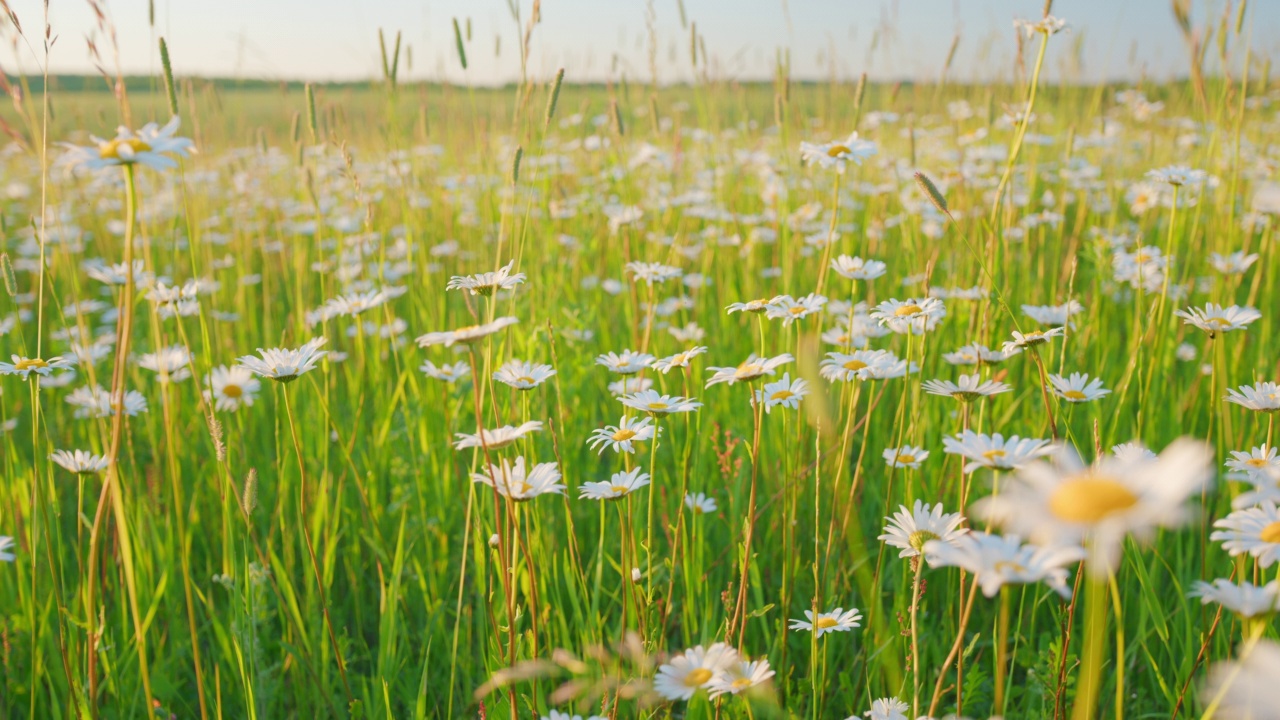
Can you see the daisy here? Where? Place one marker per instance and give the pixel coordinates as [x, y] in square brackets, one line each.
[1254, 531]
[1078, 388]
[285, 365]
[887, 709]
[1065, 502]
[118, 273]
[653, 272]
[905, 457]
[837, 620]
[619, 485]
[1053, 314]
[750, 369]
[465, 335]
[94, 402]
[557, 715]
[1260, 463]
[151, 146]
[1234, 264]
[837, 154]
[969, 388]
[855, 268]
[751, 306]
[628, 362]
[523, 375]
[910, 529]
[912, 316]
[1246, 599]
[446, 373]
[629, 386]
[495, 439]
[1034, 338]
[859, 365]
[1132, 450]
[997, 561]
[172, 364]
[784, 392]
[231, 387]
[994, 451]
[1262, 397]
[1047, 25]
[6, 555]
[1214, 319]
[25, 366]
[679, 360]
[789, 309]
[656, 404]
[487, 283]
[620, 437]
[1247, 687]
[741, 676]
[1177, 175]
[514, 483]
[700, 503]
[353, 304]
[80, 462]
[693, 670]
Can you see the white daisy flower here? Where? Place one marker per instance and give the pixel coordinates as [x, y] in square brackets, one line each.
[855, 268]
[657, 404]
[693, 670]
[6, 545]
[913, 316]
[838, 620]
[994, 451]
[968, 389]
[1261, 397]
[1253, 531]
[740, 677]
[619, 485]
[1034, 338]
[80, 462]
[285, 365]
[1247, 686]
[515, 483]
[679, 360]
[1077, 388]
[837, 155]
[486, 283]
[231, 387]
[997, 561]
[497, 438]
[466, 335]
[26, 366]
[151, 146]
[620, 437]
[906, 456]
[1214, 319]
[750, 369]
[910, 529]
[446, 372]
[700, 503]
[1245, 600]
[523, 375]
[785, 392]
[628, 362]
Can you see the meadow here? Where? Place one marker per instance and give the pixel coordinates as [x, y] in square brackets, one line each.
[626, 400]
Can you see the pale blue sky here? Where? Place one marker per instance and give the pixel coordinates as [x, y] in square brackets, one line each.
[337, 39]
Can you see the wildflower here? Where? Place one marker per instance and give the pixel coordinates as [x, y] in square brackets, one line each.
[621, 436]
[789, 309]
[751, 306]
[1254, 531]
[446, 373]
[1214, 319]
[1177, 175]
[80, 462]
[94, 402]
[1132, 450]
[1234, 264]
[1247, 686]
[1048, 25]
[1077, 388]
[620, 485]
[997, 561]
[969, 388]
[855, 268]
[523, 375]
[740, 676]
[837, 154]
[750, 369]
[858, 365]
[656, 404]
[515, 483]
[653, 272]
[26, 366]
[784, 392]
[629, 386]
[497, 438]
[1246, 599]
[151, 146]
[887, 709]
[1053, 314]
[285, 365]
[838, 620]
[486, 283]
[910, 529]
[905, 457]
[912, 316]
[231, 387]
[1032, 339]
[172, 364]
[6, 555]
[628, 362]
[1261, 397]
[700, 503]
[994, 451]
[465, 335]
[681, 360]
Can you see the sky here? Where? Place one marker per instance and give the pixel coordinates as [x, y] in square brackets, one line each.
[595, 40]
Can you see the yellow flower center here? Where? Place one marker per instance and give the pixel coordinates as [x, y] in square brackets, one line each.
[111, 148]
[741, 683]
[918, 538]
[782, 395]
[797, 310]
[1256, 462]
[30, 364]
[1005, 566]
[908, 310]
[749, 369]
[1270, 533]
[525, 379]
[619, 489]
[838, 150]
[854, 365]
[697, 677]
[232, 391]
[1074, 395]
[1090, 499]
[525, 488]
[623, 434]
[905, 459]
[825, 623]
[658, 406]
[994, 455]
[1220, 322]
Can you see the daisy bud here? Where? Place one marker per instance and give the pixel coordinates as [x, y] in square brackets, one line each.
[493, 540]
[635, 574]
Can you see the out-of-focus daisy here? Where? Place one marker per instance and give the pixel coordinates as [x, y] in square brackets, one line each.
[231, 387]
[1246, 688]
[994, 451]
[1254, 531]
[967, 389]
[1065, 502]
[80, 462]
[620, 437]
[910, 529]
[997, 561]
[1261, 397]
[523, 375]
[152, 146]
[1131, 451]
[657, 404]
[905, 457]
[751, 306]
[619, 485]
[172, 364]
[94, 402]
[740, 676]
[887, 709]
[497, 438]
[700, 503]
[1246, 599]
[285, 365]
[1214, 319]
[789, 309]
[855, 268]
[1260, 463]
[652, 272]
[1235, 263]
[1177, 175]
[679, 360]
[628, 362]
[859, 365]
[694, 670]
[838, 620]
[486, 283]
[912, 316]
[445, 372]
[838, 154]
[1048, 25]
[465, 335]
[629, 386]
[6, 549]
[1053, 314]
[1078, 388]
[1032, 339]
[26, 366]
[785, 392]
[750, 369]
[513, 482]
[976, 354]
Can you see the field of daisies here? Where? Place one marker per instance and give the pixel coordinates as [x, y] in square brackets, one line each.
[715, 401]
